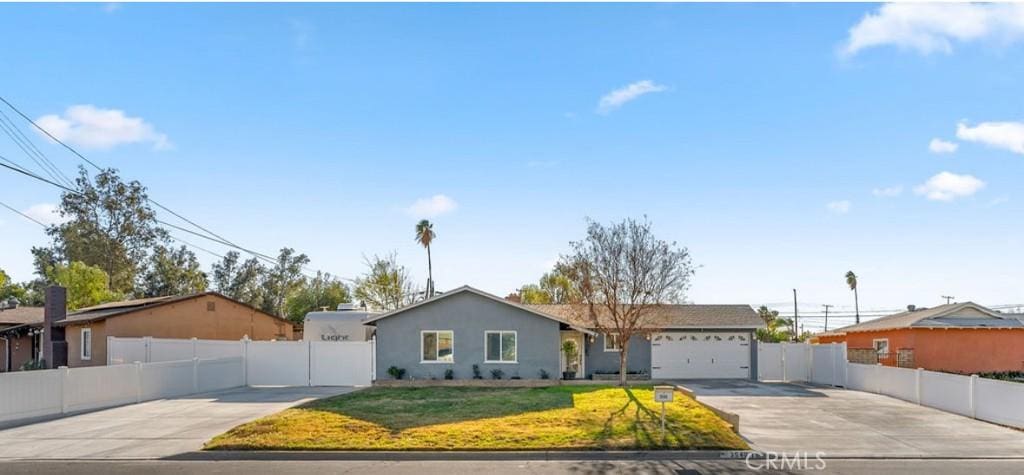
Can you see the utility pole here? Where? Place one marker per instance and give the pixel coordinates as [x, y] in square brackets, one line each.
[796, 318]
[827, 306]
[948, 298]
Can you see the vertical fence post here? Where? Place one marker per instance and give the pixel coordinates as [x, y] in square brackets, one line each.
[973, 400]
[782, 353]
[195, 375]
[309, 362]
[138, 382]
[64, 387]
[244, 342]
[878, 378]
[194, 349]
[809, 350]
[110, 349]
[147, 342]
[916, 383]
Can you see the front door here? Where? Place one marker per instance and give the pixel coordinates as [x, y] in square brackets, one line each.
[577, 364]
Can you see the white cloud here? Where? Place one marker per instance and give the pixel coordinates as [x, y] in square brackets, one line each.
[111, 7]
[45, 213]
[941, 146]
[999, 200]
[887, 192]
[932, 27]
[838, 207]
[1006, 135]
[617, 98]
[88, 126]
[948, 186]
[434, 206]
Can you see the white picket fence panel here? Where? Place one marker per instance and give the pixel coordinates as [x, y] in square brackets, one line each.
[121, 350]
[971, 396]
[31, 394]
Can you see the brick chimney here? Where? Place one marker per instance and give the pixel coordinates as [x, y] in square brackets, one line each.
[56, 309]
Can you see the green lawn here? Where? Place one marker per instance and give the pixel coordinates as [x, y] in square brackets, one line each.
[456, 418]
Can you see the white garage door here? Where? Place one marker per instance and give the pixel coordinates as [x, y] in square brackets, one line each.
[696, 355]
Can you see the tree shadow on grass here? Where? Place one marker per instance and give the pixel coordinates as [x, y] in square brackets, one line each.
[397, 409]
[644, 427]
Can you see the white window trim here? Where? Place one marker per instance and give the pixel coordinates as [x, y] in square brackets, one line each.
[423, 361]
[874, 344]
[604, 344]
[81, 350]
[500, 342]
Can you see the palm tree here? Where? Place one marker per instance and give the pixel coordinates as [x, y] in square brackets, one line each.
[851, 280]
[425, 235]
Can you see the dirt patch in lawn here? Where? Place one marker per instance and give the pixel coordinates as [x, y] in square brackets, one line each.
[450, 418]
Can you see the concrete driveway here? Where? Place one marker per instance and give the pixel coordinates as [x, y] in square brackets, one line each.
[788, 418]
[153, 429]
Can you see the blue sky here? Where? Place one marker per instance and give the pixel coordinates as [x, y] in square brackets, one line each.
[783, 144]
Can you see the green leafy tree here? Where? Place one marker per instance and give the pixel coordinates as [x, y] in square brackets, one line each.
[110, 225]
[534, 294]
[425, 235]
[777, 329]
[86, 285]
[622, 273]
[172, 271]
[386, 284]
[282, 280]
[241, 281]
[315, 293]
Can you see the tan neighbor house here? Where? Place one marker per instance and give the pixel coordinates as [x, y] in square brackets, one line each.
[207, 315]
[19, 342]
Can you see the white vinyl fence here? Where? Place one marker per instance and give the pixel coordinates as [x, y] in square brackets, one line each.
[822, 364]
[990, 400]
[268, 363]
[30, 394]
[151, 350]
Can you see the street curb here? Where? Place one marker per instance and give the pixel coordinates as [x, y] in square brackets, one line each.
[399, 456]
[463, 455]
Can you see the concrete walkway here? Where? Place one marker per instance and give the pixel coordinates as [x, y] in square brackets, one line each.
[153, 429]
[788, 418]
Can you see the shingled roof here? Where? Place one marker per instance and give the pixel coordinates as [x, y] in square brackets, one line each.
[21, 316]
[668, 316]
[954, 315]
[124, 307]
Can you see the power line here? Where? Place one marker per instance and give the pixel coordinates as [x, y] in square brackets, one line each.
[220, 239]
[34, 220]
[31, 149]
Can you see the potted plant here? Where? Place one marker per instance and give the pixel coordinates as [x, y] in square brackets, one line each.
[571, 353]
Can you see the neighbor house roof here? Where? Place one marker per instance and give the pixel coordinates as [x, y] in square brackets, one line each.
[666, 316]
[466, 288]
[953, 315]
[124, 307]
[21, 316]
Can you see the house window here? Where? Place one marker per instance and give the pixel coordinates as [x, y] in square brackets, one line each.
[437, 346]
[881, 346]
[500, 347]
[86, 353]
[612, 343]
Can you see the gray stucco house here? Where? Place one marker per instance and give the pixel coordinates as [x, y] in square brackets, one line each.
[466, 327]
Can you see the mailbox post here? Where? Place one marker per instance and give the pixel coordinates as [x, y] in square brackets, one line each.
[663, 394]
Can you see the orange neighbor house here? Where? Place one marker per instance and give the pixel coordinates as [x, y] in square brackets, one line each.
[958, 337]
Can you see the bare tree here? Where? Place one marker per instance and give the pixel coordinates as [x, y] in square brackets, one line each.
[386, 284]
[622, 274]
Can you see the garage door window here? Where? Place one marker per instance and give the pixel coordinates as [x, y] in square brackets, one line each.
[611, 342]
